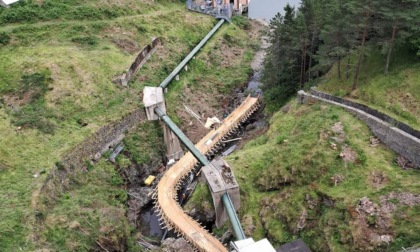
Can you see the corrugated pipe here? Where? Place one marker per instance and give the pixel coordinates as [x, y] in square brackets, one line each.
[181, 65]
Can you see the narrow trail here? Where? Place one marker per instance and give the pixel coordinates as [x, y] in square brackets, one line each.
[57, 22]
[166, 196]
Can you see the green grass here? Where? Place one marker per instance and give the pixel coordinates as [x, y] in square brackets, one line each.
[82, 57]
[291, 165]
[100, 218]
[396, 93]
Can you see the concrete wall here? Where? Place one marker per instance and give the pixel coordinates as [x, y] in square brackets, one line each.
[402, 126]
[89, 149]
[396, 138]
[140, 60]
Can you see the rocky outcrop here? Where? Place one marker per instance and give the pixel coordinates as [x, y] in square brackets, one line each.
[175, 245]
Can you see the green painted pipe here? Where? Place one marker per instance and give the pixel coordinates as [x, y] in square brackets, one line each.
[236, 224]
[181, 65]
[184, 139]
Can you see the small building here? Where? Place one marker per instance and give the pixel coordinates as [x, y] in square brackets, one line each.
[219, 8]
[3, 4]
[7, 2]
[237, 4]
[249, 245]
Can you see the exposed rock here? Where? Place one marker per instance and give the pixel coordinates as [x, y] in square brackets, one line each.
[324, 136]
[366, 205]
[338, 130]
[337, 179]
[138, 198]
[348, 155]
[327, 201]
[203, 213]
[285, 109]
[227, 236]
[176, 245]
[404, 163]
[374, 141]
[404, 198]
[377, 179]
[302, 220]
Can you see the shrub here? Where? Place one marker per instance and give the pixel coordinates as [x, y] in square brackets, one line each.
[87, 41]
[241, 22]
[34, 116]
[4, 38]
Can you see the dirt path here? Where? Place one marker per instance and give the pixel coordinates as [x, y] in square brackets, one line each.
[169, 208]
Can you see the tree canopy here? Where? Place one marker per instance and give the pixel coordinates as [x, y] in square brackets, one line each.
[306, 42]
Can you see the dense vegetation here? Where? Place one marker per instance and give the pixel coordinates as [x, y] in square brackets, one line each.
[308, 41]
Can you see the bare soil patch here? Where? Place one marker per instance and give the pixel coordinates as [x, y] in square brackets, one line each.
[378, 179]
[127, 45]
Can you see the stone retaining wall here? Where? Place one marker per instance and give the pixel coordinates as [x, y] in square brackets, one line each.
[90, 149]
[402, 126]
[394, 137]
[140, 60]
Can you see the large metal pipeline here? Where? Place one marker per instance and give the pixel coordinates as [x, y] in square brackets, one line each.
[234, 220]
[184, 139]
[181, 65]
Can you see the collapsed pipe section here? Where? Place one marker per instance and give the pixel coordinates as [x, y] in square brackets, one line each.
[227, 202]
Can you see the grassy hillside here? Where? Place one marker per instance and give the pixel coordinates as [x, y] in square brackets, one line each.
[56, 72]
[304, 178]
[396, 93]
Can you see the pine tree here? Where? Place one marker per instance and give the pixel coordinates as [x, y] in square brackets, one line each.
[365, 9]
[397, 18]
[335, 44]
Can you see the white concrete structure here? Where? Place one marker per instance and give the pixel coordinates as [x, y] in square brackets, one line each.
[249, 245]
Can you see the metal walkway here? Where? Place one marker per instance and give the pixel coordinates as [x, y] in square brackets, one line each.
[166, 195]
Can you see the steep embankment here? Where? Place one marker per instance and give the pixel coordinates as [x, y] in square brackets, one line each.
[319, 174]
[56, 72]
[56, 88]
[308, 175]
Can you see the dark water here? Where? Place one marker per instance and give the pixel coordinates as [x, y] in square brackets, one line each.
[254, 84]
[150, 224]
[267, 9]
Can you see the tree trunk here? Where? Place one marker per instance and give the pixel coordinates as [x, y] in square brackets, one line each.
[391, 45]
[301, 67]
[338, 68]
[356, 74]
[310, 57]
[304, 64]
[348, 67]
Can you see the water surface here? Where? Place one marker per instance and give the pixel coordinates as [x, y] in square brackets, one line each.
[267, 9]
